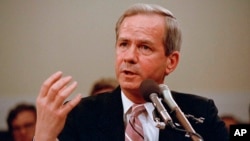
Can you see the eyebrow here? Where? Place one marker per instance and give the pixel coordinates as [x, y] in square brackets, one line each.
[141, 41]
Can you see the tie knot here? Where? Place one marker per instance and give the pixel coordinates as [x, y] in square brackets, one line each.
[137, 109]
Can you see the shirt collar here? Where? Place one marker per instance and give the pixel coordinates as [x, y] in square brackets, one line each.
[127, 103]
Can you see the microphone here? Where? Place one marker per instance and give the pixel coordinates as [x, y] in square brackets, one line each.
[167, 96]
[150, 92]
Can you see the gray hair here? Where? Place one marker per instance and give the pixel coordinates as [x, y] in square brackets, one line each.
[172, 38]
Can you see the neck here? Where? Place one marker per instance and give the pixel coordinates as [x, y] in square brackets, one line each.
[134, 96]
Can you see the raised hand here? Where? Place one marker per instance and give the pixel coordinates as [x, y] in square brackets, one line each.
[51, 110]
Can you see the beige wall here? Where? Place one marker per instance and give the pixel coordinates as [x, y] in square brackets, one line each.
[77, 37]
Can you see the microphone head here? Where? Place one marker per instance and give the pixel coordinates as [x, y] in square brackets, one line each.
[147, 87]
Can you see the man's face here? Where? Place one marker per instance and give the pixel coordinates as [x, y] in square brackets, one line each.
[140, 51]
[24, 126]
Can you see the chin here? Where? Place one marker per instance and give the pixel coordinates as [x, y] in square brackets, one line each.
[129, 85]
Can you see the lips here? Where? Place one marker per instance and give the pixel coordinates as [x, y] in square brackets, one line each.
[128, 72]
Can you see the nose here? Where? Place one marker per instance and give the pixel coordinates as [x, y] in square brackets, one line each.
[131, 55]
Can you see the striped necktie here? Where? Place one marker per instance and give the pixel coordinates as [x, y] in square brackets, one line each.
[134, 131]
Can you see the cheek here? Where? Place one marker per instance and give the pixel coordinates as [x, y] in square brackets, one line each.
[146, 68]
[118, 60]
[154, 69]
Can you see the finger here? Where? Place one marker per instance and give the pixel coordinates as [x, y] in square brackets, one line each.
[71, 104]
[62, 89]
[61, 97]
[48, 83]
[58, 86]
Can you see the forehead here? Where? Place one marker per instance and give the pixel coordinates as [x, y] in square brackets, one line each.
[148, 24]
[23, 117]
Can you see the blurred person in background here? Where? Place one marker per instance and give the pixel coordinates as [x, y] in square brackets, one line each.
[229, 120]
[103, 85]
[21, 122]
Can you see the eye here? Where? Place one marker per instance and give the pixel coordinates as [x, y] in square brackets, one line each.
[146, 50]
[122, 46]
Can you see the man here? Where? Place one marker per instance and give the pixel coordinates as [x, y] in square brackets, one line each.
[147, 47]
[21, 122]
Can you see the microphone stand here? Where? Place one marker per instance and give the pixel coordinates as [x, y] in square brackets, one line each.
[190, 132]
[187, 126]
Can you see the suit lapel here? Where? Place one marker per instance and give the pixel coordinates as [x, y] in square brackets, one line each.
[111, 122]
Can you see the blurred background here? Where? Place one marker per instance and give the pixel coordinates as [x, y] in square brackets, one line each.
[38, 38]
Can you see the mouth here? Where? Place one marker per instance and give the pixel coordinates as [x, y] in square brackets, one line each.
[128, 72]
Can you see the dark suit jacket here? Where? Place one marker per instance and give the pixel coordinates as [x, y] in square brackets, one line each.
[100, 118]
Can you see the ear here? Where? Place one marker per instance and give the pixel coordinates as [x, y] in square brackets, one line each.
[172, 62]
